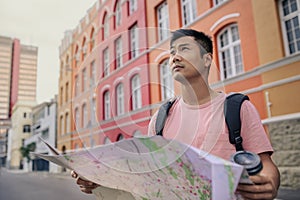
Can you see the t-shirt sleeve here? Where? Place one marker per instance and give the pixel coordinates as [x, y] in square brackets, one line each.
[254, 136]
[151, 126]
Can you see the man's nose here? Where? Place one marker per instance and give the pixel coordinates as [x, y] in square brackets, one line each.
[176, 58]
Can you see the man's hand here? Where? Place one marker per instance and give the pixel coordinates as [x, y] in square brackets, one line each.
[266, 183]
[85, 185]
[262, 188]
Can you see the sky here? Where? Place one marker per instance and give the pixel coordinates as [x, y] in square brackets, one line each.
[42, 23]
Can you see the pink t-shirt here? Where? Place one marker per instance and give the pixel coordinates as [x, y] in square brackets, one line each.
[203, 126]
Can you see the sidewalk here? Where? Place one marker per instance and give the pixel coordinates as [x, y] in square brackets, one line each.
[288, 194]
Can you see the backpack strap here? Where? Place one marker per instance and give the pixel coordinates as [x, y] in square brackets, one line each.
[232, 107]
[162, 116]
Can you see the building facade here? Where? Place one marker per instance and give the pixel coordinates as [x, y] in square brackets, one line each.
[43, 128]
[18, 133]
[18, 67]
[256, 51]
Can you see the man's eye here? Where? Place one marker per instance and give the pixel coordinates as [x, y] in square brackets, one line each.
[172, 52]
[184, 48]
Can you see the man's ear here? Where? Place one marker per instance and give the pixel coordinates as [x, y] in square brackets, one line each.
[207, 59]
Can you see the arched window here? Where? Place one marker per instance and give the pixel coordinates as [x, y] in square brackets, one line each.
[230, 54]
[77, 122]
[106, 62]
[92, 39]
[163, 21]
[118, 53]
[137, 133]
[84, 48]
[106, 140]
[67, 123]
[120, 99]
[105, 27]
[120, 137]
[84, 115]
[166, 81]
[62, 125]
[118, 14]
[136, 92]
[106, 105]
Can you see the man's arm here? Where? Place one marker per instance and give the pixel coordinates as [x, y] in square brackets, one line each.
[266, 182]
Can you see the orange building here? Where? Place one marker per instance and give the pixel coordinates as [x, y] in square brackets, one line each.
[256, 52]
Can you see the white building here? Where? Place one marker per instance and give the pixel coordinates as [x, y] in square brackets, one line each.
[43, 126]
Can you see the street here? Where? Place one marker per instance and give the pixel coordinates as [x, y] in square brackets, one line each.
[39, 186]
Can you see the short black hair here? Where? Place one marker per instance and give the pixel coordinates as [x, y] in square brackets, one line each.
[204, 40]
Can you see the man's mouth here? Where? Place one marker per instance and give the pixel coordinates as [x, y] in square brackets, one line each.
[177, 67]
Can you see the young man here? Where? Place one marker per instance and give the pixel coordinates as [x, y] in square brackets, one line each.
[197, 118]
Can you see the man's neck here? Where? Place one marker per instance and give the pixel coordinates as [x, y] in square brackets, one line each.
[197, 94]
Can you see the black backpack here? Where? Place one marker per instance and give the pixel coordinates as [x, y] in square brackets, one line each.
[232, 107]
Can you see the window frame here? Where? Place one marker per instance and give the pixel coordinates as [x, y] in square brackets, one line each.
[229, 49]
[162, 14]
[118, 53]
[166, 78]
[191, 12]
[284, 19]
[120, 99]
[136, 101]
[106, 70]
[133, 41]
[106, 105]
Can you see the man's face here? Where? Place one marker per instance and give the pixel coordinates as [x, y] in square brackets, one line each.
[185, 60]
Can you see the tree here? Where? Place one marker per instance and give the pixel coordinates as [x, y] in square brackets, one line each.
[25, 151]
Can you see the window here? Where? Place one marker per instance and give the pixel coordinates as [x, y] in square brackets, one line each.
[26, 128]
[230, 55]
[76, 85]
[106, 140]
[132, 6]
[77, 123]
[61, 95]
[106, 105]
[93, 73]
[218, 2]
[120, 99]
[105, 27]
[67, 123]
[84, 115]
[67, 91]
[106, 62]
[118, 14]
[189, 11]
[118, 47]
[93, 38]
[84, 49]
[62, 125]
[290, 13]
[163, 21]
[84, 80]
[120, 137]
[136, 92]
[93, 115]
[166, 81]
[45, 133]
[133, 41]
[24, 115]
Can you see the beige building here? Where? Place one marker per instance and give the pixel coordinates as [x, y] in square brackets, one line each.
[20, 130]
[64, 102]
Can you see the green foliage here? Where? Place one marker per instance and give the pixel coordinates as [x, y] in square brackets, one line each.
[25, 151]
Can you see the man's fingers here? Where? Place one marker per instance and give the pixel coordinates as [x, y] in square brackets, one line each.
[74, 174]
